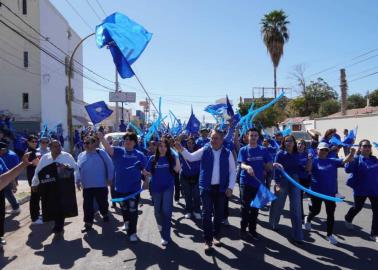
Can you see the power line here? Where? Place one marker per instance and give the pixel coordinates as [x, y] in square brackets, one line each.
[99, 4]
[18, 67]
[78, 14]
[94, 11]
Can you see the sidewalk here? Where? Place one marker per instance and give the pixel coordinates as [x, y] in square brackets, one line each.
[22, 194]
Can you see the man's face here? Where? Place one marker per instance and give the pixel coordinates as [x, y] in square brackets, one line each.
[89, 144]
[216, 140]
[32, 143]
[253, 136]
[55, 148]
[129, 144]
[44, 143]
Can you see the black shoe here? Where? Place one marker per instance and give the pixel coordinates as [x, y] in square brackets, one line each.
[208, 247]
[105, 218]
[254, 235]
[2, 241]
[86, 228]
[217, 242]
[243, 235]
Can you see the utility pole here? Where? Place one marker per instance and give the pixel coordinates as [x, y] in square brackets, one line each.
[117, 109]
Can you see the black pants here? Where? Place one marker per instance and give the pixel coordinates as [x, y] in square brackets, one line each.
[248, 214]
[101, 196]
[59, 224]
[177, 186]
[35, 200]
[330, 209]
[226, 210]
[359, 202]
[2, 212]
[129, 210]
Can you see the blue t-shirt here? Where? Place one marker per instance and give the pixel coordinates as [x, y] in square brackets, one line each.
[256, 157]
[127, 167]
[324, 175]
[10, 159]
[290, 162]
[191, 170]
[366, 171]
[162, 178]
[303, 157]
[3, 167]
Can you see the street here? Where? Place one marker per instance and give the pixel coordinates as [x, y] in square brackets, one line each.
[31, 246]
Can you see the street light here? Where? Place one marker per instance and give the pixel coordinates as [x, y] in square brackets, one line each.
[70, 96]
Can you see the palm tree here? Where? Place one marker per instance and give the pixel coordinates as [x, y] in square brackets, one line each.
[275, 34]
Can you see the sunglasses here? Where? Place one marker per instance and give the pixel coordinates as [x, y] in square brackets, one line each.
[86, 143]
[33, 141]
[324, 149]
[289, 141]
[44, 142]
[366, 146]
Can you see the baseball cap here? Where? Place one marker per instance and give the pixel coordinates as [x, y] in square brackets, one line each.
[323, 145]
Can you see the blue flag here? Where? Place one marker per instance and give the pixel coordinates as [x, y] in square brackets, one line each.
[351, 137]
[126, 40]
[230, 110]
[263, 197]
[98, 111]
[193, 125]
[216, 109]
[375, 145]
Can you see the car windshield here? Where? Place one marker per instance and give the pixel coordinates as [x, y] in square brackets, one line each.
[301, 135]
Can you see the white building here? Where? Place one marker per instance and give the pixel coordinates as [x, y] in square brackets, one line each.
[33, 84]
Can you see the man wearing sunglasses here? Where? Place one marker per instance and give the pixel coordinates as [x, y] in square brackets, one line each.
[96, 172]
[44, 146]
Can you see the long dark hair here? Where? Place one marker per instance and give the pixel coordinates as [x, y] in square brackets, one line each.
[170, 157]
[360, 145]
[283, 146]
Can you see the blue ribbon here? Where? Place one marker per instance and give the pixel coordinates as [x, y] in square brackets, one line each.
[309, 191]
[131, 196]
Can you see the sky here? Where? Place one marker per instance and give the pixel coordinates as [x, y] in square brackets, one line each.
[202, 50]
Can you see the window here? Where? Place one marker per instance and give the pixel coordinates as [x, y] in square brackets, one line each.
[25, 101]
[24, 7]
[26, 59]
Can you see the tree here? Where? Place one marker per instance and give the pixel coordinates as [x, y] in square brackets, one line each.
[275, 35]
[373, 96]
[296, 107]
[316, 93]
[356, 101]
[298, 76]
[328, 107]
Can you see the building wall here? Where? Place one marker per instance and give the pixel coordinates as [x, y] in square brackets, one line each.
[15, 79]
[55, 79]
[367, 126]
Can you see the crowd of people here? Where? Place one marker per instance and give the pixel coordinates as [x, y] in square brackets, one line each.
[203, 168]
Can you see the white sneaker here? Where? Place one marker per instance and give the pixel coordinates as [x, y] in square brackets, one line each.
[341, 196]
[307, 225]
[374, 238]
[133, 238]
[188, 215]
[126, 226]
[348, 225]
[15, 211]
[164, 242]
[38, 221]
[197, 215]
[160, 228]
[332, 239]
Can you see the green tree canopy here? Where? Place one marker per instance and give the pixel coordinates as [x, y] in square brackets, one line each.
[374, 98]
[328, 107]
[356, 101]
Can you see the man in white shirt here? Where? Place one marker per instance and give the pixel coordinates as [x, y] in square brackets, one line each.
[216, 181]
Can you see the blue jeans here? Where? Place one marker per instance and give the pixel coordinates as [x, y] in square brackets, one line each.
[212, 205]
[295, 208]
[191, 194]
[8, 193]
[163, 205]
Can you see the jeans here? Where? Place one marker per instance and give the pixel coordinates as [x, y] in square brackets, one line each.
[359, 202]
[100, 195]
[295, 209]
[177, 186]
[306, 184]
[213, 202]
[191, 193]
[316, 204]
[9, 195]
[248, 214]
[163, 205]
[2, 212]
[129, 211]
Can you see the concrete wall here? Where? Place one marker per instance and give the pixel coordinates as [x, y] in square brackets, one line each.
[15, 79]
[54, 79]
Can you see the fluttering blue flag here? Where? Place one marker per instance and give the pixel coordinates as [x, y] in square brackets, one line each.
[335, 141]
[230, 110]
[263, 197]
[126, 40]
[193, 125]
[375, 145]
[216, 109]
[286, 132]
[351, 137]
[98, 111]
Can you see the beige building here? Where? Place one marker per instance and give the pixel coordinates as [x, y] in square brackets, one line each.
[33, 84]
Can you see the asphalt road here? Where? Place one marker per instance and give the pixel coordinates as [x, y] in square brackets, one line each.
[32, 247]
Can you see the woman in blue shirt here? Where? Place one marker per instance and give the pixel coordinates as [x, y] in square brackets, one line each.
[288, 159]
[324, 181]
[364, 169]
[162, 166]
[304, 176]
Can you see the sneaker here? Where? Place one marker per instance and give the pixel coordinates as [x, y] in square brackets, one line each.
[348, 225]
[307, 224]
[188, 215]
[217, 242]
[105, 218]
[133, 238]
[225, 222]
[374, 238]
[332, 239]
[208, 247]
[86, 228]
[160, 228]
[164, 242]
[2, 241]
[38, 221]
[126, 226]
[197, 215]
[15, 211]
[338, 195]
